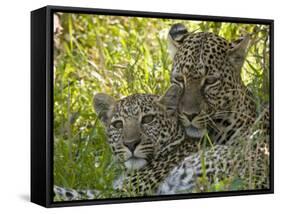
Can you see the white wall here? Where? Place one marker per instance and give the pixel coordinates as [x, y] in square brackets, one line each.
[15, 99]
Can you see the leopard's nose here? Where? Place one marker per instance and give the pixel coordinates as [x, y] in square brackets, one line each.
[131, 145]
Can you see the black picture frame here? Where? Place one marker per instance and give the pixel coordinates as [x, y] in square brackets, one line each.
[42, 104]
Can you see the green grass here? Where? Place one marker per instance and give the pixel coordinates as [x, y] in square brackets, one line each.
[119, 56]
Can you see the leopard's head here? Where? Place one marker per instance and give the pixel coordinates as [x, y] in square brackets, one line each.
[207, 68]
[139, 126]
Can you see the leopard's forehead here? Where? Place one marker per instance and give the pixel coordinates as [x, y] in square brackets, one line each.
[200, 54]
[136, 105]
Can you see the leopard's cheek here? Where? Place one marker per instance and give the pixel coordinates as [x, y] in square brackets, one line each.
[114, 137]
[221, 100]
[146, 149]
[115, 140]
[117, 151]
[152, 131]
[150, 137]
[212, 97]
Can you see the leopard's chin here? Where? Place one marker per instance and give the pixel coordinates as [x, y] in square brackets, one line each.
[193, 132]
[135, 163]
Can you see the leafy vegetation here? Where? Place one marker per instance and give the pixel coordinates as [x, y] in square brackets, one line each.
[121, 56]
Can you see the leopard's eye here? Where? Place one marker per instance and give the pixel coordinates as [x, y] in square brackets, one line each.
[179, 78]
[211, 80]
[147, 119]
[117, 124]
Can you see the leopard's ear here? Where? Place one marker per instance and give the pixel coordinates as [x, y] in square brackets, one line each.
[177, 33]
[238, 51]
[171, 99]
[104, 106]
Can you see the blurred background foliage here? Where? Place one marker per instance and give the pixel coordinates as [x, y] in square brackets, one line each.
[121, 56]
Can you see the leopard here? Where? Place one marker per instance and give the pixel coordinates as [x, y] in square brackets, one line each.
[145, 135]
[214, 98]
[141, 129]
[215, 102]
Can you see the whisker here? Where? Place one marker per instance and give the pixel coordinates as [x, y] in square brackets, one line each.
[214, 125]
[203, 117]
[224, 112]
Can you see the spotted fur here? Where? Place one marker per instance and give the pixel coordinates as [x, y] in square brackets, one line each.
[214, 97]
[176, 164]
[245, 161]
